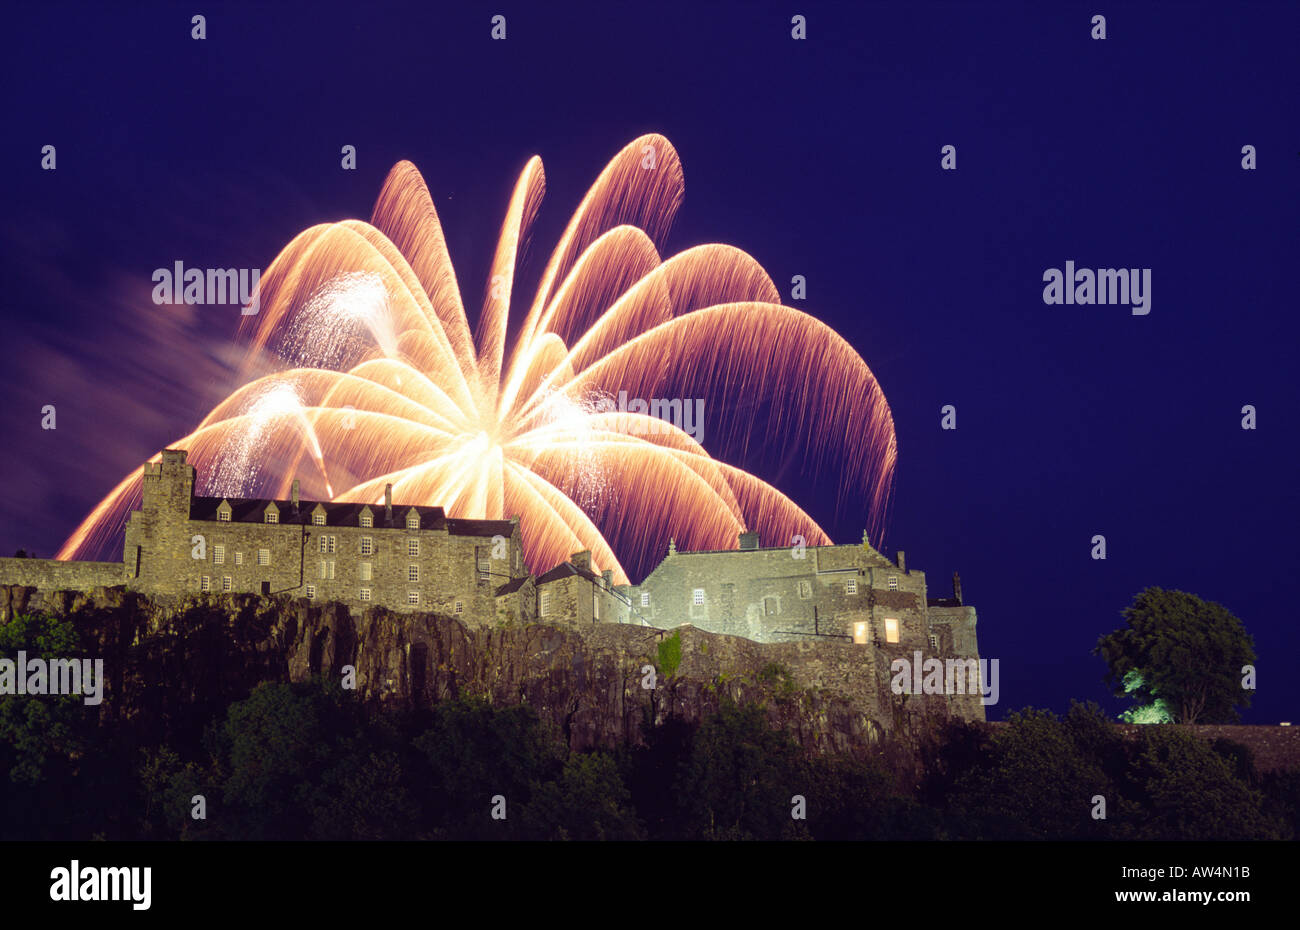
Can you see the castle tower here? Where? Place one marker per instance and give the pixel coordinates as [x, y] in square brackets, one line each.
[168, 487]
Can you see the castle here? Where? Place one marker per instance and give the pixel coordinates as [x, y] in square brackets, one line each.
[417, 559]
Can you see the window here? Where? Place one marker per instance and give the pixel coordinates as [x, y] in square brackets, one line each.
[698, 597]
[226, 584]
[219, 555]
[223, 515]
[413, 521]
[263, 556]
[326, 570]
[891, 629]
[413, 548]
[367, 545]
[860, 632]
[805, 590]
[365, 594]
[544, 603]
[645, 598]
[413, 573]
[893, 582]
[412, 597]
[851, 586]
[460, 607]
[934, 643]
[769, 606]
[272, 517]
[327, 543]
[239, 558]
[367, 520]
[311, 592]
[366, 570]
[318, 519]
[205, 583]
[484, 568]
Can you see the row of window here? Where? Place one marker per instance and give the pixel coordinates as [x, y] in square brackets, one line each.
[318, 519]
[219, 556]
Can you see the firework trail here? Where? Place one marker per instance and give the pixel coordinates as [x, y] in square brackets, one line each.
[381, 380]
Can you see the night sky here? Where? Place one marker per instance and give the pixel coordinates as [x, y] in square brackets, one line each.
[817, 157]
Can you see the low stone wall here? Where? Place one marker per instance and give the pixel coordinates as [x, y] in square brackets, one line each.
[52, 575]
[1275, 748]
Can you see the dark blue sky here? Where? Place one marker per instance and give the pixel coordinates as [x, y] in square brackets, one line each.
[819, 158]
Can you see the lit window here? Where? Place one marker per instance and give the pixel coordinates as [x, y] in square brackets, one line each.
[311, 592]
[893, 582]
[239, 558]
[365, 594]
[413, 521]
[366, 571]
[367, 545]
[460, 607]
[263, 556]
[318, 519]
[413, 573]
[891, 629]
[412, 597]
[860, 632]
[645, 598]
[544, 603]
[272, 517]
[367, 520]
[851, 586]
[219, 555]
[413, 548]
[205, 583]
[223, 515]
[698, 597]
[226, 583]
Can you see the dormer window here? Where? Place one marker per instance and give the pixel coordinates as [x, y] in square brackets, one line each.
[367, 520]
[272, 517]
[318, 519]
[223, 512]
[412, 521]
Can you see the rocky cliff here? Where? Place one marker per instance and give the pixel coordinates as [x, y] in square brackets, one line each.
[601, 686]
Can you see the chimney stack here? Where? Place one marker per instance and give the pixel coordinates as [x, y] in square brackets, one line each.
[901, 560]
[748, 540]
[293, 495]
[581, 559]
[956, 588]
[388, 502]
[608, 575]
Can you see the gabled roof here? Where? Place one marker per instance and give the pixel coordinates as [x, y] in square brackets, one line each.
[511, 586]
[565, 569]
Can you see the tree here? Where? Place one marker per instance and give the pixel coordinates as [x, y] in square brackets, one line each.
[1179, 657]
[587, 802]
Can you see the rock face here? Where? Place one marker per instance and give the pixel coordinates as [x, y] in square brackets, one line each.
[599, 686]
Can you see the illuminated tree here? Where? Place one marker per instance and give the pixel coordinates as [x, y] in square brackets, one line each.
[1180, 659]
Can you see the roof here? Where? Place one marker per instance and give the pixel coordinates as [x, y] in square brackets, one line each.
[511, 586]
[252, 510]
[565, 569]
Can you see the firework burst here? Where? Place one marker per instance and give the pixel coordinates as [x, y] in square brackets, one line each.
[377, 378]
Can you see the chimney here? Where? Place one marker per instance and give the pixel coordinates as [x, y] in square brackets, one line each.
[581, 559]
[748, 540]
[608, 575]
[388, 502]
[901, 560]
[956, 588]
[672, 546]
[293, 495]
